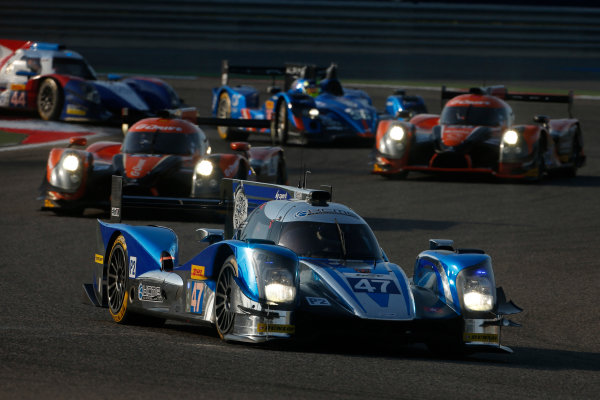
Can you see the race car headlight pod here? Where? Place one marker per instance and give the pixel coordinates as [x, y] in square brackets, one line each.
[204, 168]
[477, 288]
[68, 173]
[510, 137]
[276, 276]
[313, 113]
[396, 133]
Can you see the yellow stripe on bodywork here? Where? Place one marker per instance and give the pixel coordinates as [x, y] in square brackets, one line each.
[276, 328]
[99, 259]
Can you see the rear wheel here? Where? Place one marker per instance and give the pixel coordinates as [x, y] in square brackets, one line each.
[224, 313]
[118, 288]
[572, 170]
[49, 100]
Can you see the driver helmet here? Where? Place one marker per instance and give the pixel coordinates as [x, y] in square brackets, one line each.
[306, 86]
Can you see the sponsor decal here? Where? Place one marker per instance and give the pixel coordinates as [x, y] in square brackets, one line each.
[481, 337]
[99, 259]
[154, 127]
[197, 291]
[317, 301]
[320, 211]
[281, 196]
[132, 266]
[72, 110]
[197, 272]
[48, 203]
[369, 285]
[115, 211]
[276, 328]
[149, 293]
[297, 195]
[17, 86]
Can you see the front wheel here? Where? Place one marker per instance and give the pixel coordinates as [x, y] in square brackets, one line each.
[117, 281]
[280, 125]
[49, 100]
[224, 312]
[224, 112]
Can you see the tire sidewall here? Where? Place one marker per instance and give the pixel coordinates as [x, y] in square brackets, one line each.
[121, 315]
[56, 91]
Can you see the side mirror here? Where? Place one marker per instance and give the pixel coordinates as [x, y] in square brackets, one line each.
[209, 236]
[240, 146]
[77, 141]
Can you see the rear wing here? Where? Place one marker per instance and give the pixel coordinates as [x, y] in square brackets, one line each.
[290, 72]
[122, 205]
[502, 93]
[242, 197]
[130, 117]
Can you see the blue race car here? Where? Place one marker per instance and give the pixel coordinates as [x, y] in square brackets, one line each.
[312, 107]
[296, 265]
[59, 84]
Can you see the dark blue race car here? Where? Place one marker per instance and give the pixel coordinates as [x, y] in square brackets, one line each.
[296, 265]
[313, 107]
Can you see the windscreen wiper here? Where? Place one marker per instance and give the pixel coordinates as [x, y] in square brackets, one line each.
[342, 240]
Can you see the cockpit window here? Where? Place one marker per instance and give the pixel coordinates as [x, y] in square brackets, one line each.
[257, 226]
[330, 240]
[74, 67]
[473, 116]
[162, 143]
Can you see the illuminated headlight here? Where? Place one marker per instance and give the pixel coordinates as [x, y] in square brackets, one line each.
[204, 168]
[396, 133]
[510, 137]
[70, 163]
[313, 113]
[478, 288]
[276, 276]
[209, 150]
[279, 286]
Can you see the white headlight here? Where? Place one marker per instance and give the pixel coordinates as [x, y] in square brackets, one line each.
[313, 113]
[478, 293]
[70, 163]
[510, 137]
[279, 286]
[396, 133]
[204, 168]
[209, 150]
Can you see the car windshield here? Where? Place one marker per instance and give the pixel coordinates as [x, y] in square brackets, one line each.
[161, 143]
[473, 116]
[74, 67]
[330, 240]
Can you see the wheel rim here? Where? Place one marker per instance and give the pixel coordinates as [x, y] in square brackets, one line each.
[46, 99]
[224, 315]
[116, 279]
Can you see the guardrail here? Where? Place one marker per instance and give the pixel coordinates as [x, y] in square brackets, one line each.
[315, 25]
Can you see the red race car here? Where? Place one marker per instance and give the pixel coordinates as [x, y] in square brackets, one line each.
[475, 133]
[164, 162]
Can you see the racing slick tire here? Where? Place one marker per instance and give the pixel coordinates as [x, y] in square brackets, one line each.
[117, 283]
[224, 111]
[280, 124]
[50, 100]
[224, 313]
[572, 170]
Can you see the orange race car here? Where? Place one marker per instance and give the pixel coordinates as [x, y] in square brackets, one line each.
[476, 133]
[164, 162]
